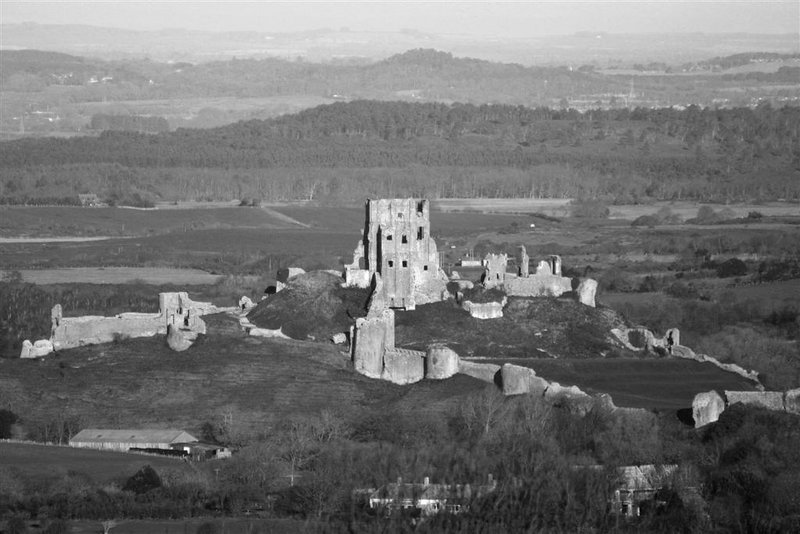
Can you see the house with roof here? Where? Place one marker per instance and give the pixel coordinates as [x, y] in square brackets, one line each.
[427, 498]
[126, 439]
[638, 486]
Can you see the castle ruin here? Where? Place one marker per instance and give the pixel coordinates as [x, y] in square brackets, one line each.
[397, 245]
[178, 315]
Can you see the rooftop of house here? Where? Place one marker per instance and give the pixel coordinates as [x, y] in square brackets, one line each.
[104, 435]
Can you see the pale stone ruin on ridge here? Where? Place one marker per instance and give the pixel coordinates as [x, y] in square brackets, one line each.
[397, 245]
[179, 317]
[399, 260]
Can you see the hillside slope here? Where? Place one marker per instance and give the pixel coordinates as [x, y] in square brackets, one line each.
[529, 328]
[312, 306]
[254, 383]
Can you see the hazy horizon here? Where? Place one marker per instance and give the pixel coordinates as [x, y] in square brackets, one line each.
[484, 19]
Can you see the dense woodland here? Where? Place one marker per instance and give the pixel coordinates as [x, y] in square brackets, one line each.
[738, 475]
[345, 151]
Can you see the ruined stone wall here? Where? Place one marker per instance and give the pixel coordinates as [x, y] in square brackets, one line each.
[494, 274]
[403, 366]
[640, 338]
[440, 362]
[372, 337]
[176, 310]
[550, 266]
[538, 285]
[708, 406]
[523, 262]
[92, 330]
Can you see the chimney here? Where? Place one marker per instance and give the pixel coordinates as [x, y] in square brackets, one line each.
[399, 480]
[426, 481]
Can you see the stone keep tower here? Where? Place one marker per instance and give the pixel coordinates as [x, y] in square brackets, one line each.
[396, 244]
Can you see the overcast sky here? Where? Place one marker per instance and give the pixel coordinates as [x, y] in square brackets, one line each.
[510, 19]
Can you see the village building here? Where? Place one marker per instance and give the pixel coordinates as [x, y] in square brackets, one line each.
[125, 439]
[637, 487]
[427, 498]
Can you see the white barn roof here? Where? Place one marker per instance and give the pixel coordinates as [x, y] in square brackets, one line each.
[104, 435]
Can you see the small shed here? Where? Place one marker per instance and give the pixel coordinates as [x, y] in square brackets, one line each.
[123, 440]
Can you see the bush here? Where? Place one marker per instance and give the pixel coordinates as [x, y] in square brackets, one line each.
[208, 528]
[589, 209]
[7, 420]
[57, 526]
[16, 525]
[646, 220]
[731, 267]
[682, 291]
[144, 480]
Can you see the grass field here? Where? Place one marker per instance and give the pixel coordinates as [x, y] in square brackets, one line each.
[36, 461]
[557, 207]
[213, 250]
[662, 384]
[255, 382]
[770, 295]
[117, 275]
[529, 328]
[73, 221]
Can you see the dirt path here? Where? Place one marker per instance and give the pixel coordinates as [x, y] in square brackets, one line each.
[285, 218]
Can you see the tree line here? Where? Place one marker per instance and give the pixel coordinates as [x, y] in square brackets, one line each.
[737, 474]
[620, 155]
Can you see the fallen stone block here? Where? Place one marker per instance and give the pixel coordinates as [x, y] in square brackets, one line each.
[440, 362]
[706, 408]
[179, 339]
[484, 310]
[339, 338]
[39, 349]
[791, 401]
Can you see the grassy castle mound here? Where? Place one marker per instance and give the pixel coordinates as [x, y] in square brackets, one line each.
[312, 306]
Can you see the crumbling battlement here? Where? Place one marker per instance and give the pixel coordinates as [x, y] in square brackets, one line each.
[176, 311]
[374, 355]
[546, 281]
[397, 245]
[707, 407]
